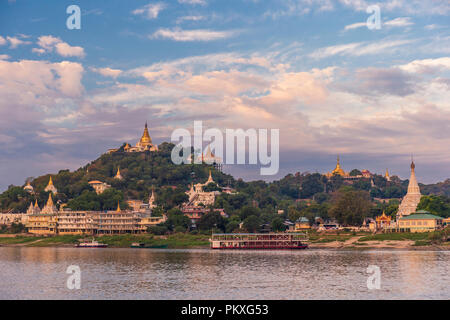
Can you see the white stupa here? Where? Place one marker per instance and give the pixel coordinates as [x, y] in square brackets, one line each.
[412, 198]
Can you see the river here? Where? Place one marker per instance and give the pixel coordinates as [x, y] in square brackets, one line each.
[40, 273]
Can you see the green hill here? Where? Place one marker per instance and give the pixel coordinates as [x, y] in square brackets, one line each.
[141, 172]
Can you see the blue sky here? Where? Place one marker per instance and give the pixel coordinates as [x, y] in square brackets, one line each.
[311, 68]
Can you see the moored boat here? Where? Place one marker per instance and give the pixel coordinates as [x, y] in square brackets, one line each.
[91, 244]
[265, 241]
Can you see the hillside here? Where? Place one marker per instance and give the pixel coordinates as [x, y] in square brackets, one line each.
[296, 194]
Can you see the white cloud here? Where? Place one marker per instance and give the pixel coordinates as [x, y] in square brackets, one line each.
[50, 44]
[189, 18]
[200, 2]
[416, 7]
[31, 82]
[4, 57]
[178, 34]
[107, 72]
[359, 48]
[151, 10]
[355, 25]
[427, 65]
[14, 42]
[2, 41]
[399, 22]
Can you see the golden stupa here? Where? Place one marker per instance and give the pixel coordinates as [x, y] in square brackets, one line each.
[338, 170]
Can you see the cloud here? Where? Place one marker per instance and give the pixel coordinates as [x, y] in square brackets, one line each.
[416, 7]
[50, 44]
[4, 57]
[178, 34]
[189, 18]
[193, 2]
[399, 22]
[359, 48]
[151, 10]
[429, 66]
[380, 81]
[2, 41]
[107, 72]
[355, 26]
[14, 42]
[31, 82]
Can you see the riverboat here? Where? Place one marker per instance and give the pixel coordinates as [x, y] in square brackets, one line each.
[265, 241]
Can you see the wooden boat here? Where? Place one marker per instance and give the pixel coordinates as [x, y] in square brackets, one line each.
[264, 241]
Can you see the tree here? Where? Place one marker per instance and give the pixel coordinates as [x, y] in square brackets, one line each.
[249, 211]
[211, 220]
[438, 205]
[311, 185]
[350, 207]
[252, 223]
[277, 224]
[293, 213]
[232, 226]
[355, 172]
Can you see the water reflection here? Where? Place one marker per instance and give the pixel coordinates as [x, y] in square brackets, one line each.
[39, 273]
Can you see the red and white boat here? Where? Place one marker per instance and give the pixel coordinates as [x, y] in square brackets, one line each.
[265, 241]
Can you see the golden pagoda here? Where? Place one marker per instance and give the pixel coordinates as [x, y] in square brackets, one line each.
[118, 206]
[338, 170]
[386, 175]
[144, 144]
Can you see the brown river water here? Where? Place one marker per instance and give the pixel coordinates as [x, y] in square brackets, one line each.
[40, 273]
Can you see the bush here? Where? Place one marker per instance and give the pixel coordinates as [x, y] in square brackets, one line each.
[180, 229]
[157, 230]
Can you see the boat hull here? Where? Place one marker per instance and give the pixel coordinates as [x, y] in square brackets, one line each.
[262, 248]
[97, 246]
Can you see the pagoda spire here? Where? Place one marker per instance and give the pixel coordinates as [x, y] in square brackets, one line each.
[118, 206]
[50, 201]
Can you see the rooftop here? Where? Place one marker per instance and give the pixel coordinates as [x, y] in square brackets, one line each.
[421, 214]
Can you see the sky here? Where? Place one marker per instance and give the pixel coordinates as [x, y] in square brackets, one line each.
[310, 68]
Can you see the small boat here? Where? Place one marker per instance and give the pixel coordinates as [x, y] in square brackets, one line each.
[138, 245]
[158, 246]
[92, 244]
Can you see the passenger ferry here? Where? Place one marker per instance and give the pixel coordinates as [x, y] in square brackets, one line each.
[266, 241]
[92, 244]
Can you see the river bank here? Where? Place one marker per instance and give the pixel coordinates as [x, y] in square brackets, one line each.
[364, 241]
